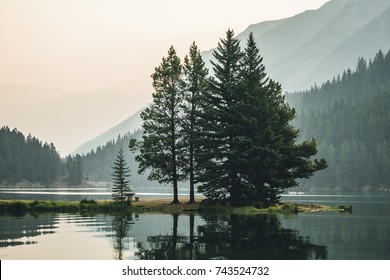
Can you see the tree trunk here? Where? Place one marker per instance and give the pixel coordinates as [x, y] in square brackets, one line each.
[192, 188]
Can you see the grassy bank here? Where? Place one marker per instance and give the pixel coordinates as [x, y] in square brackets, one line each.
[280, 208]
[151, 205]
[43, 206]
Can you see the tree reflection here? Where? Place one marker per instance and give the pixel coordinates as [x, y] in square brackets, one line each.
[23, 231]
[231, 237]
[120, 226]
[168, 247]
[256, 237]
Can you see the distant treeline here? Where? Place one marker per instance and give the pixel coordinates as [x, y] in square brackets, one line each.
[349, 116]
[97, 164]
[27, 158]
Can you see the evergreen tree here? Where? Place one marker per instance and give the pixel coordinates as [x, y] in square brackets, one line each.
[269, 158]
[159, 148]
[250, 150]
[216, 166]
[195, 84]
[121, 186]
[256, 109]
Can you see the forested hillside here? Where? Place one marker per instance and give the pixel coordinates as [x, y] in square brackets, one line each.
[97, 165]
[349, 116]
[27, 158]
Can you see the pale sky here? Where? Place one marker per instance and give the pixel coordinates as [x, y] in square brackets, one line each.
[78, 45]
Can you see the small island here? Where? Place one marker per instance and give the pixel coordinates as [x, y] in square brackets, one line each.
[155, 205]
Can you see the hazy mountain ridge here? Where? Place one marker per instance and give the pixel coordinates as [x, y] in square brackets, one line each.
[347, 53]
[306, 48]
[131, 124]
[293, 33]
[299, 70]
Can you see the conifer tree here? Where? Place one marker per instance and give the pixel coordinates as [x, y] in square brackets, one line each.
[218, 172]
[121, 186]
[159, 149]
[195, 84]
[250, 151]
[256, 109]
[270, 158]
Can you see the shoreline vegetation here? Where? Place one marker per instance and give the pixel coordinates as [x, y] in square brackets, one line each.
[155, 205]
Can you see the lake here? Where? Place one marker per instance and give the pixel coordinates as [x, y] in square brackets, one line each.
[362, 234]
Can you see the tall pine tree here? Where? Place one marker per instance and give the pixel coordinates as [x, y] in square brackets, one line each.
[159, 148]
[195, 85]
[270, 158]
[216, 163]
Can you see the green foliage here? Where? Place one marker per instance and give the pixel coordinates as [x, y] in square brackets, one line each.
[345, 208]
[250, 154]
[218, 133]
[233, 129]
[195, 85]
[350, 117]
[52, 206]
[369, 79]
[160, 145]
[97, 164]
[121, 186]
[27, 158]
[74, 168]
[289, 208]
[86, 201]
[20, 208]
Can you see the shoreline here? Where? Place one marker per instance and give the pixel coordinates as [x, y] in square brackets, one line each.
[156, 205]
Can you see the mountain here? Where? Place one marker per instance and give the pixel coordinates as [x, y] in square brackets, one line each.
[368, 40]
[315, 45]
[291, 34]
[131, 124]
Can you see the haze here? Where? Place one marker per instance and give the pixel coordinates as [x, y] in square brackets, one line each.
[93, 59]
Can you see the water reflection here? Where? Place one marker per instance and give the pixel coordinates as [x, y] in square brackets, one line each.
[16, 231]
[153, 237]
[364, 234]
[231, 237]
[121, 236]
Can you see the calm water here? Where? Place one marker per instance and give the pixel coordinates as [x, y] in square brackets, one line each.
[362, 234]
[75, 194]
